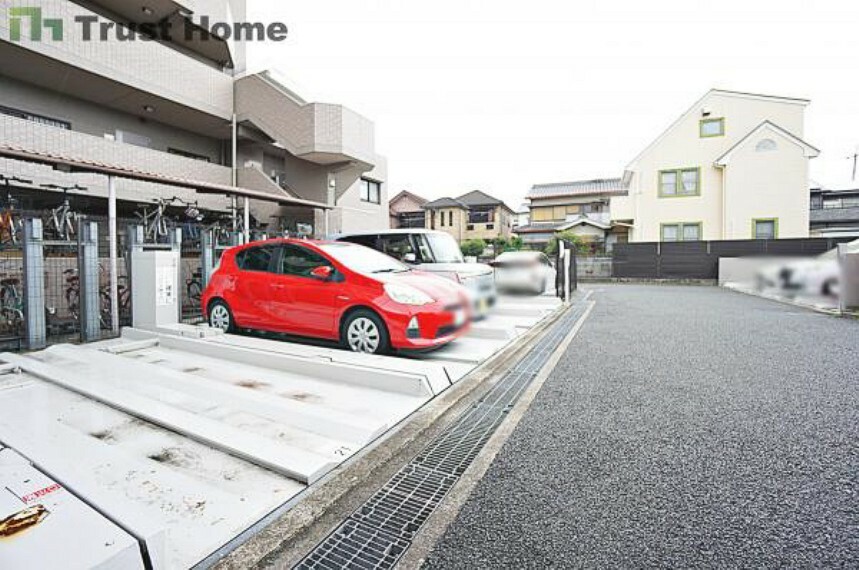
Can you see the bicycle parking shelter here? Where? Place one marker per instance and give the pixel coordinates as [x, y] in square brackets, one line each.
[89, 293]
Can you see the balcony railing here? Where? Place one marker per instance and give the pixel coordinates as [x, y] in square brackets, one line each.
[146, 66]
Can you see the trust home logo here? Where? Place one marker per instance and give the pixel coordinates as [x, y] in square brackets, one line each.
[37, 24]
[94, 29]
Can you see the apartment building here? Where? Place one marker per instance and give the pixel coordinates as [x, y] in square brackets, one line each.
[181, 108]
[407, 210]
[734, 166]
[834, 213]
[475, 215]
[580, 207]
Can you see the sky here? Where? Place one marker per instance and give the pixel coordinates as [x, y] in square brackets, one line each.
[498, 95]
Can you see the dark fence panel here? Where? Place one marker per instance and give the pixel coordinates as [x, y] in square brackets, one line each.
[700, 259]
[635, 260]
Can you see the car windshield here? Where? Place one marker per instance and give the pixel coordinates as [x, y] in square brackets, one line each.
[438, 248]
[363, 259]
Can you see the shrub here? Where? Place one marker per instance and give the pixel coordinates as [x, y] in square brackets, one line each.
[577, 241]
[473, 247]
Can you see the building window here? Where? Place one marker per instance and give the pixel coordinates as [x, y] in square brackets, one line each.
[481, 216]
[470, 227]
[766, 145]
[371, 191]
[32, 117]
[765, 228]
[680, 182]
[681, 232]
[712, 128]
[450, 218]
[186, 154]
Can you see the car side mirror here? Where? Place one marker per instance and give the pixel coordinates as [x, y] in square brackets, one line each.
[323, 272]
[410, 258]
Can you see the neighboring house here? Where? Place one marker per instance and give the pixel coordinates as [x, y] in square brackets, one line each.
[165, 109]
[407, 211]
[734, 166]
[581, 207]
[522, 216]
[475, 215]
[834, 213]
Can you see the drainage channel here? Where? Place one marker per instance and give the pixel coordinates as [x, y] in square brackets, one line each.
[377, 534]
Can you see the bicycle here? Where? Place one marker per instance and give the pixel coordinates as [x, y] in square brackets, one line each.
[61, 221]
[12, 304]
[9, 224]
[194, 288]
[155, 227]
[124, 298]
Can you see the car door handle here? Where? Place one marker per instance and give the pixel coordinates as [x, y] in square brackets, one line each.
[278, 286]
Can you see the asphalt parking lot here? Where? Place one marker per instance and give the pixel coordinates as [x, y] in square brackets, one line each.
[684, 427]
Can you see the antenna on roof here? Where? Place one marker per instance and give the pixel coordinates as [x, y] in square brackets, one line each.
[855, 158]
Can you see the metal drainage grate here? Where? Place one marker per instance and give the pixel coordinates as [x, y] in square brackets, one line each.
[406, 501]
[378, 533]
[354, 545]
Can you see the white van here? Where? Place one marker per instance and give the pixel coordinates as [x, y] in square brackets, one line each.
[435, 252]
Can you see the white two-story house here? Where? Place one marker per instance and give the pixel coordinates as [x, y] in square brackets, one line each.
[734, 166]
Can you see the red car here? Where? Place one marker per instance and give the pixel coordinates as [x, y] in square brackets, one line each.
[333, 290]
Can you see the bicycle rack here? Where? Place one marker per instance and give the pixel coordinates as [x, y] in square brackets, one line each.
[36, 326]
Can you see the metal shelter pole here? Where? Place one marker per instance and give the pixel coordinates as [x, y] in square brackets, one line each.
[176, 246]
[112, 237]
[247, 220]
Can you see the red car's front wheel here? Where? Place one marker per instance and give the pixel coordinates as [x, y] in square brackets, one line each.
[363, 331]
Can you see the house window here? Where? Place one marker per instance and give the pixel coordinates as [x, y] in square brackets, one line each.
[449, 218]
[371, 191]
[32, 117]
[680, 182]
[765, 229]
[712, 128]
[681, 232]
[481, 216]
[542, 215]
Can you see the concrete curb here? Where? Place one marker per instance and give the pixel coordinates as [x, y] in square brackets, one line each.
[282, 538]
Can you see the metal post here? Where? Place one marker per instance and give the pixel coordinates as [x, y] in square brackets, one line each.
[133, 242]
[90, 306]
[247, 220]
[112, 237]
[34, 285]
[207, 256]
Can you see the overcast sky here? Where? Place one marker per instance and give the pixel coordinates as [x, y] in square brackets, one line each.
[500, 94]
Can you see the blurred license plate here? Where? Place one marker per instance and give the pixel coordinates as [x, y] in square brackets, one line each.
[458, 318]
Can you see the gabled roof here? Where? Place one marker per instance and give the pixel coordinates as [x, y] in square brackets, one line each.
[444, 203]
[697, 105]
[550, 227]
[809, 150]
[473, 199]
[478, 198]
[599, 186]
[407, 194]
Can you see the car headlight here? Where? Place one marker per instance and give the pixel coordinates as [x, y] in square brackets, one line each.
[407, 295]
